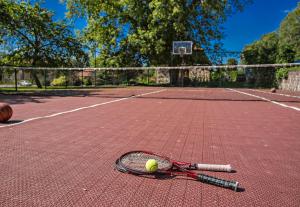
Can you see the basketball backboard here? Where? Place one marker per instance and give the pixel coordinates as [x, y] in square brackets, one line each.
[182, 48]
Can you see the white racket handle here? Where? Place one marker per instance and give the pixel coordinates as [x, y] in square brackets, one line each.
[213, 167]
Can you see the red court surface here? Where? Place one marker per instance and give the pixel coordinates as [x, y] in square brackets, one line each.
[68, 159]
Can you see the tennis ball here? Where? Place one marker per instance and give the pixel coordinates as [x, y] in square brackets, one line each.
[151, 165]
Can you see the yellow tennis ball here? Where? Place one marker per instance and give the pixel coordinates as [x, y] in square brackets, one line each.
[151, 165]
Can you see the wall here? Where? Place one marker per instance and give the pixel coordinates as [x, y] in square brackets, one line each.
[292, 83]
[165, 76]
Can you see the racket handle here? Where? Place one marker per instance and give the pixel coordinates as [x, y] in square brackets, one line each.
[233, 185]
[212, 167]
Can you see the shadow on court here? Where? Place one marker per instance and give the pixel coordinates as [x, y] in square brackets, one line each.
[38, 96]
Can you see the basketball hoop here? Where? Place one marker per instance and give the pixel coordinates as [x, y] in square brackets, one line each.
[182, 48]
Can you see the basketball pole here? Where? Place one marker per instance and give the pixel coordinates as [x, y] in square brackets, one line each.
[95, 63]
[182, 64]
[16, 80]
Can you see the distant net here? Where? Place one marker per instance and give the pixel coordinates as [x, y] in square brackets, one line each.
[188, 80]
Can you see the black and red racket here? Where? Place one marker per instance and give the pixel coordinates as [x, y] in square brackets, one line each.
[134, 162]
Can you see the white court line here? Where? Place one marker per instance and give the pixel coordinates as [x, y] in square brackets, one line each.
[280, 94]
[187, 90]
[79, 109]
[265, 99]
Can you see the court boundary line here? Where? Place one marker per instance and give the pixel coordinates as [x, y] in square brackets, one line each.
[265, 99]
[79, 109]
[279, 94]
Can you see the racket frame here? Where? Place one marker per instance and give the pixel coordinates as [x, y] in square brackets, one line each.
[177, 169]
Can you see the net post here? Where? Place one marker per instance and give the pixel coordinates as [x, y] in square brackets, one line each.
[181, 72]
[123, 76]
[119, 77]
[156, 76]
[67, 76]
[95, 78]
[71, 81]
[113, 77]
[148, 71]
[45, 79]
[16, 80]
[81, 78]
[104, 78]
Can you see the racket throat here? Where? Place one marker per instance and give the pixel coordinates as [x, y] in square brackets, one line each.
[193, 167]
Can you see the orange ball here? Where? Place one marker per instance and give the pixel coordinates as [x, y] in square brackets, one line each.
[5, 112]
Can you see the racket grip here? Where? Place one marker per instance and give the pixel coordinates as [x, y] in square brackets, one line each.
[233, 185]
[212, 167]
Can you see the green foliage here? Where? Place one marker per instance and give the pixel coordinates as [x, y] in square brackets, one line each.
[282, 46]
[233, 76]
[232, 61]
[224, 76]
[134, 32]
[262, 51]
[282, 73]
[30, 37]
[87, 81]
[60, 81]
[289, 37]
[218, 75]
[285, 54]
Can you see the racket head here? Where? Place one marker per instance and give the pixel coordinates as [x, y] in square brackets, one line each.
[119, 167]
[135, 161]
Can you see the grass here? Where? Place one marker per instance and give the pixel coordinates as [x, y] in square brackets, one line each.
[9, 90]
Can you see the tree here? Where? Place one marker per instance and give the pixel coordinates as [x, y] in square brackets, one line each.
[281, 46]
[32, 38]
[289, 37]
[262, 51]
[232, 61]
[135, 32]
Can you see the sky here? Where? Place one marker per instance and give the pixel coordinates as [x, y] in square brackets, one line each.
[257, 19]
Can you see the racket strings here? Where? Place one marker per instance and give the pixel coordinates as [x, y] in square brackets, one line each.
[136, 161]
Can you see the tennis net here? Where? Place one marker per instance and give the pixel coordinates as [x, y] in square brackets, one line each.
[190, 82]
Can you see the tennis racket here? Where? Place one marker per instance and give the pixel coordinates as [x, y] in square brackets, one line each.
[134, 162]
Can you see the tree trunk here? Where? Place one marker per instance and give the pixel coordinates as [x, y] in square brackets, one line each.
[35, 77]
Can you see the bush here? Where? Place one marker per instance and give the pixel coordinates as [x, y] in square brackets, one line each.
[87, 81]
[219, 75]
[77, 82]
[282, 73]
[214, 75]
[61, 81]
[233, 75]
